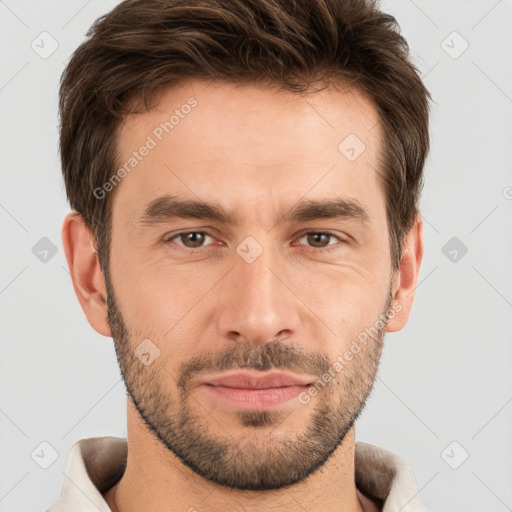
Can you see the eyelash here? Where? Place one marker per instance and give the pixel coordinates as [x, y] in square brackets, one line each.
[301, 235]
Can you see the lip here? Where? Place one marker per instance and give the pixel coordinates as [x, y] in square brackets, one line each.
[259, 380]
[250, 391]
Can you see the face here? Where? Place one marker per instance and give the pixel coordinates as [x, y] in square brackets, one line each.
[281, 268]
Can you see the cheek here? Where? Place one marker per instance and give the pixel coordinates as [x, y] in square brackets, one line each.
[163, 300]
[348, 307]
[345, 300]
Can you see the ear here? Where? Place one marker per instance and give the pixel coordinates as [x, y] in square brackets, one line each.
[406, 279]
[86, 275]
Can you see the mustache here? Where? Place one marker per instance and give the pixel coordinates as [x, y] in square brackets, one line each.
[268, 356]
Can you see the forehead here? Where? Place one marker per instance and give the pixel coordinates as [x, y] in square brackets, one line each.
[251, 144]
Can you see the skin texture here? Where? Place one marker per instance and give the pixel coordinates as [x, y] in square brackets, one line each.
[255, 151]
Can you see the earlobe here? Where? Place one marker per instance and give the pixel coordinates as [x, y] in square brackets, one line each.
[86, 274]
[407, 278]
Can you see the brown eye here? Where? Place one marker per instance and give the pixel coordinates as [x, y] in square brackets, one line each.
[190, 240]
[320, 239]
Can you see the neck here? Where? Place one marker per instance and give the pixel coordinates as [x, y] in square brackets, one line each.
[156, 479]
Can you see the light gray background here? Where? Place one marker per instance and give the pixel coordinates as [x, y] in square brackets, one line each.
[446, 377]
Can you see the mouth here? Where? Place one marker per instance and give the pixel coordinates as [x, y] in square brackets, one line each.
[256, 391]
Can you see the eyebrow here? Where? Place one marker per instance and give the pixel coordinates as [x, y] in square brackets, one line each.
[166, 208]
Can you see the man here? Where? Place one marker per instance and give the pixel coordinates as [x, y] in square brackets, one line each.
[245, 179]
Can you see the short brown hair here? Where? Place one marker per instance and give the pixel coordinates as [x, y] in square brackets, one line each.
[143, 45]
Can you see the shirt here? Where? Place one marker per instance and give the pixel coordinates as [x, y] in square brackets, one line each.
[97, 463]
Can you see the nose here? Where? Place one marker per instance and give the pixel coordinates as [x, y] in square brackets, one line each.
[257, 303]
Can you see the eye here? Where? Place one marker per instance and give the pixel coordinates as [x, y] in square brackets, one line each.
[195, 240]
[190, 239]
[318, 239]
